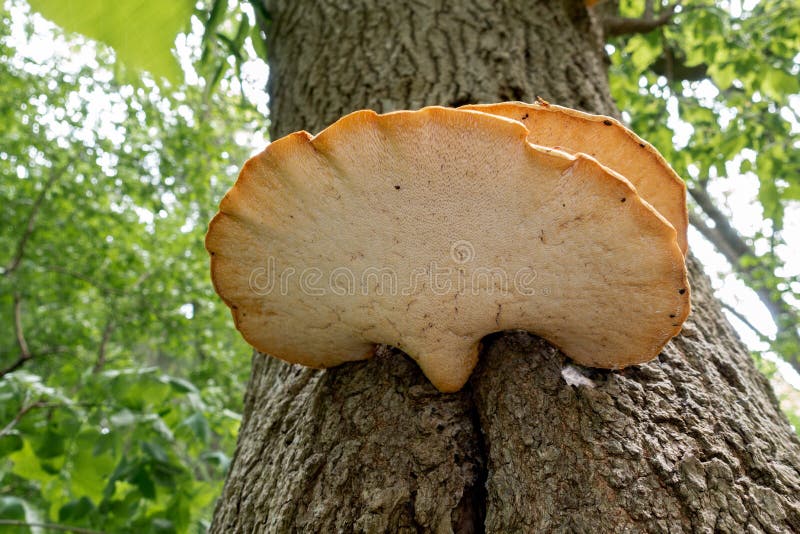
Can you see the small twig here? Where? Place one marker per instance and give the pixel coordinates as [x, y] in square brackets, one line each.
[733, 239]
[30, 224]
[53, 526]
[101, 351]
[727, 240]
[713, 234]
[39, 404]
[616, 26]
[648, 9]
[25, 353]
[25, 409]
[21, 361]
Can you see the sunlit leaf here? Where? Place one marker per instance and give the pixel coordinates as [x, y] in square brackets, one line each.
[141, 32]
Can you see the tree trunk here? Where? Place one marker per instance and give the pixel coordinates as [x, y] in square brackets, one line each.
[693, 441]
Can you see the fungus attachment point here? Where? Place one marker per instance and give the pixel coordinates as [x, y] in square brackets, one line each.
[320, 259]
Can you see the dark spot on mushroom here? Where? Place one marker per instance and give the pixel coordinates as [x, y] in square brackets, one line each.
[641, 145]
[563, 205]
[607, 122]
[524, 117]
[672, 315]
[623, 199]
[235, 307]
[397, 187]
[682, 291]
[213, 253]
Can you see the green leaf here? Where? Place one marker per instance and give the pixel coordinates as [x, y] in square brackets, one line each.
[155, 451]
[792, 192]
[50, 446]
[259, 42]
[776, 84]
[75, 510]
[12, 508]
[123, 418]
[723, 76]
[241, 34]
[218, 458]
[141, 32]
[10, 443]
[215, 17]
[27, 464]
[199, 426]
[162, 526]
[181, 385]
[141, 479]
[91, 467]
[644, 50]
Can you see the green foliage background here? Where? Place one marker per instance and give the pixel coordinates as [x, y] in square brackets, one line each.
[736, 81]
[125, 413]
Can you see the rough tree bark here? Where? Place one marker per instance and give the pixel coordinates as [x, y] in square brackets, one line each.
[693, 441]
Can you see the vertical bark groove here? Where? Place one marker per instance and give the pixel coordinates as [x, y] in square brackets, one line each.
[691, 442]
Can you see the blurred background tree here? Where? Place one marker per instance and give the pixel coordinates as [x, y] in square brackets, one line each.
[120, 375]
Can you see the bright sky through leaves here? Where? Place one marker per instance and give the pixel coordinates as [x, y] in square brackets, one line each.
[150, 24]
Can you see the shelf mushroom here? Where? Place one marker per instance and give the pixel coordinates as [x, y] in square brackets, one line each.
[428, 230]
[614, 145]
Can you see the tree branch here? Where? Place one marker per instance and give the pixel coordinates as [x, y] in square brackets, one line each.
[746, 322]
[20, 335]
[24, 352]
[39, 353]
[737, 246]
[101, 351]
[615, 26]
[729, 243]
[40, 404]
[727, 240]
[716, 237]
[17, 418]
[30, 224]
[648, 9]
[673, 66]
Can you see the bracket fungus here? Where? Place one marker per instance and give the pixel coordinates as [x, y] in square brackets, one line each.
[429, 229]
[612, 144]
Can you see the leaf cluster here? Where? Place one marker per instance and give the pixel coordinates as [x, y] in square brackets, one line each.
[124, 414]
[718, 93]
